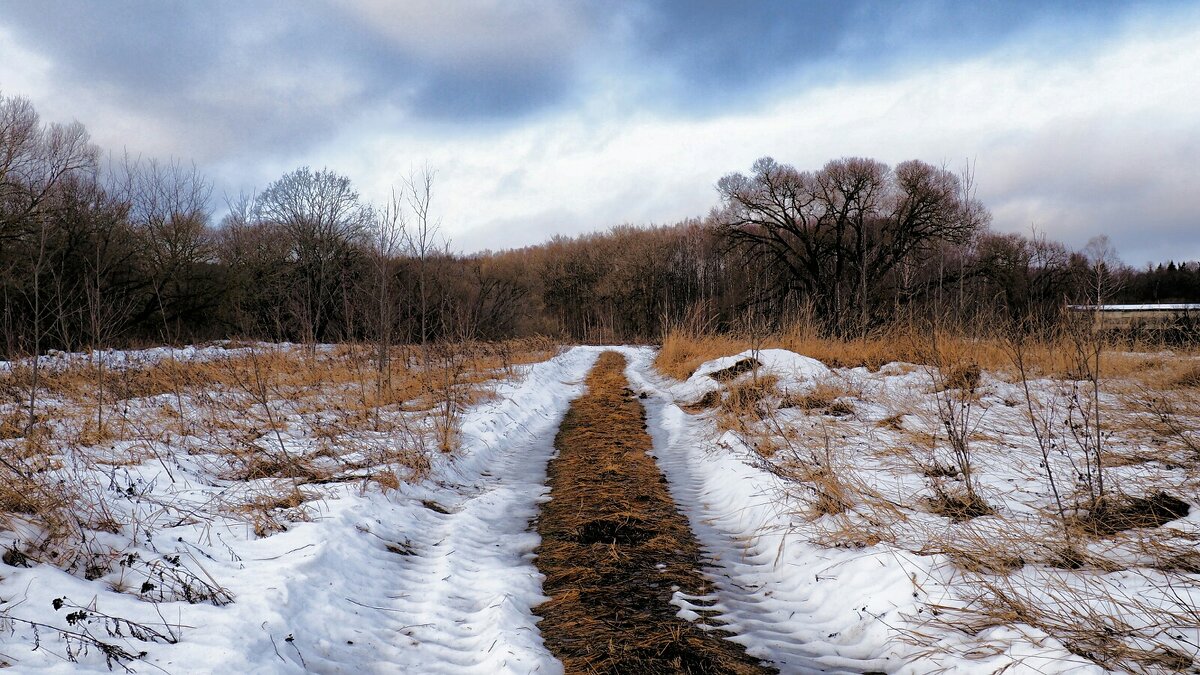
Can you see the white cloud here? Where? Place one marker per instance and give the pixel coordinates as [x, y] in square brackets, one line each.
[25, 72]
[1100, 139]
[29, 74]
[1077, 147]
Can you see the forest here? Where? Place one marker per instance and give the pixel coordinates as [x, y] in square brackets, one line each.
[98, 250]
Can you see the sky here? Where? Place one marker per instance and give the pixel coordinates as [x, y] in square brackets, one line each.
[542, 118]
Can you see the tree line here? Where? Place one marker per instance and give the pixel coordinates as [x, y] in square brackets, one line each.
[130, 252]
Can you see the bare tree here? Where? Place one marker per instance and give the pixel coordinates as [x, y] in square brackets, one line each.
[256, 257]
[1103, 267]
[39, 261]
[106, 311]
[169, 210]
[390, 236]
[35, 159]
[1085, 413]
[422, 240]
[325, 223]
[1042, 416]
[840, 232]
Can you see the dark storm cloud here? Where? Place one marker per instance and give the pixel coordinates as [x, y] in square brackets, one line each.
[268, 75]
[182, 63]
[219, 65]
[149, 46]
[712, 49]
[484, 93]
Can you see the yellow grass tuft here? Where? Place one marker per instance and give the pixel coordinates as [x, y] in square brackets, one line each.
[683, 352]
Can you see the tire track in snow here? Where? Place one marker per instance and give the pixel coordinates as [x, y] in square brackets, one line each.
[452, 582]
[757, 597]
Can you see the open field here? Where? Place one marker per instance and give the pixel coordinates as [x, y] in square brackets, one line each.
[183, 477]
[560, 337]
[1033, 493]
[955, 506]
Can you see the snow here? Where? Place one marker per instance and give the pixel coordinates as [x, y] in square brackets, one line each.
[792, 369]
[1161, 307]
[377, 582]
[438, 575]
[120, 359]
[800, 606]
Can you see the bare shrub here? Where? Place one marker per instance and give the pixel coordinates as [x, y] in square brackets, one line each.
[92, 630]
[956, 383]
[1091, 614]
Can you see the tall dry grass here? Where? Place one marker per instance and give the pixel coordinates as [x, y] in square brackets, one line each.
[240, 415]
[683, 351]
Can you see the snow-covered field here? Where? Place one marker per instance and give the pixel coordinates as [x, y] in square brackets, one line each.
[433, 576]
[881, 581]
[207, 566]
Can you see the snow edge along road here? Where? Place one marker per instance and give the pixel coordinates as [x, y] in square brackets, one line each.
[735, 515]
[468, 563]
[802, 607]
[434, 577]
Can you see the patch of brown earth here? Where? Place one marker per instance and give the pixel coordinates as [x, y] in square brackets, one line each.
[732, 372]
[1120, 513]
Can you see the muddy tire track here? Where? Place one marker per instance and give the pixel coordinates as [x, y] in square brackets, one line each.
[618, 558]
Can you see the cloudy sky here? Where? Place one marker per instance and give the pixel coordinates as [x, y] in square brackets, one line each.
[540, 117]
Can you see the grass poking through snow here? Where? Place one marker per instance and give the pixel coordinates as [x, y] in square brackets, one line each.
[616, 553]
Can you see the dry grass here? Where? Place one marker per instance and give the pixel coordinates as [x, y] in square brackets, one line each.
[1118, 513]
[829, 493]
[1068, 573]
[684, 351]
[260, 434]
[961, 375]
[958, 506]
[271, 509]
[1188, 377]
[1176, 373]
[748, 395]
[1091, 614]
[1057, 583]
[614, 546]
[13, 424]
[27, 494]
[827, 396]
[744, 407]
[265, 420]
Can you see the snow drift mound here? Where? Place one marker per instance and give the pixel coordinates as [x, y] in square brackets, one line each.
[793, 370]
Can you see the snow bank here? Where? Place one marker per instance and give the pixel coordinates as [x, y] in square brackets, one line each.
[122, 359]
[793, 370]
[804, 607]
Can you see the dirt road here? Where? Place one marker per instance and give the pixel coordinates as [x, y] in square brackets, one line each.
[617, 556]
